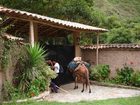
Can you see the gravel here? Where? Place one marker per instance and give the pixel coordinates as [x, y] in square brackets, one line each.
[97, 93]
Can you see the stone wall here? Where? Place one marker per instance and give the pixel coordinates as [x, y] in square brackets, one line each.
[0, 83]
[14, 52]
[114, 57]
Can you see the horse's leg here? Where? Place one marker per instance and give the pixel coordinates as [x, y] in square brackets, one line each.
[83, 87]
[89, 86]
[76, 86]
[87, 80]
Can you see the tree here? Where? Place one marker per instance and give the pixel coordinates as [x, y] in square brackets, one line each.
[120, 35]
[83, 11]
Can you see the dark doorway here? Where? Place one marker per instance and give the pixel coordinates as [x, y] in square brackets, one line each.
[63, 55]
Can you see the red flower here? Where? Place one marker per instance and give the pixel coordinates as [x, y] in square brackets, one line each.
[32, 94]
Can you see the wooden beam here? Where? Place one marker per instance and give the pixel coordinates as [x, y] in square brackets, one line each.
[97, 49]
[32, 39]
[76, 39]
[33, 33]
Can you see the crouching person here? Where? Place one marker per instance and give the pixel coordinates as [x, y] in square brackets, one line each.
[56, 82]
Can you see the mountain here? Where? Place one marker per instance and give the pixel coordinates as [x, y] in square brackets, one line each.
[121, 8]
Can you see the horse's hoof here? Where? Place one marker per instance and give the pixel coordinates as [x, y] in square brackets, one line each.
[89, 91]
[76, 87]
[82, 91]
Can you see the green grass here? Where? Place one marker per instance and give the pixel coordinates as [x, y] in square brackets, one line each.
[120, 101]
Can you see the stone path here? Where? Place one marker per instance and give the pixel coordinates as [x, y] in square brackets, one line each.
[98, 93]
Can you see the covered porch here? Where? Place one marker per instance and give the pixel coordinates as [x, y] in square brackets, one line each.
[37, 27]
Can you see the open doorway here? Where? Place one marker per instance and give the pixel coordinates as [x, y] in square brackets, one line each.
[62, 51]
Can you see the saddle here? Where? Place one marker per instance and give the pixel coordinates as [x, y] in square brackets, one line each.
[74, 64]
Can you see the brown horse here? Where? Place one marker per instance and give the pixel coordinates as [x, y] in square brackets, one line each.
[81, 74]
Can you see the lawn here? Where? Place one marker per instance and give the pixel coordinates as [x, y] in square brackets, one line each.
[120, 101]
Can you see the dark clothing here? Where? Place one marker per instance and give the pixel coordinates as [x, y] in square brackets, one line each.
[72, 65]
[54, 87]
[61, 70]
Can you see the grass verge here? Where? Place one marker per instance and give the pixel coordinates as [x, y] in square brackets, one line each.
[119, 101]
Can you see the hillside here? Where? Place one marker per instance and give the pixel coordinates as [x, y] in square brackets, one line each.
[121, 17]
[121, 8]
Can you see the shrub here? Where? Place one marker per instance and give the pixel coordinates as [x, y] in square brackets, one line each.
[124, 75]
[11, 93]
[135, 79]
[100, 72]
[5, 59]
[33, 75]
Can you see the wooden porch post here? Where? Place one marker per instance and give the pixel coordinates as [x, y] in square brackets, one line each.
[33, 33]
[97, 49]
[76, 38]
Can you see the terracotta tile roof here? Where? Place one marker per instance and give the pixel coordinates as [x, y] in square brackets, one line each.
[11, 37]
[106, 46]
[48, 20]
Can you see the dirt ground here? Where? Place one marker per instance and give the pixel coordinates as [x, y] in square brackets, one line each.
[98, 93]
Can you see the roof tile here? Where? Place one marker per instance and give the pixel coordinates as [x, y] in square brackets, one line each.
[49, 19]
[106, 46]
